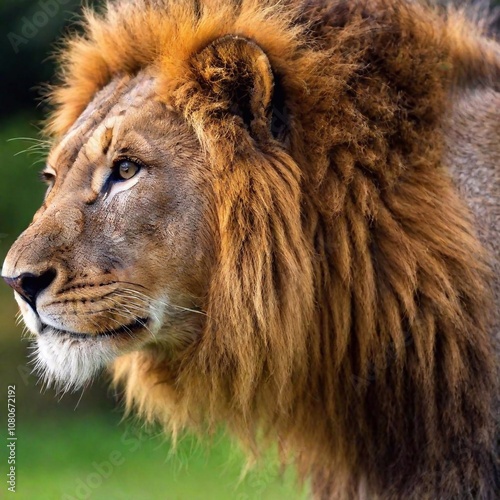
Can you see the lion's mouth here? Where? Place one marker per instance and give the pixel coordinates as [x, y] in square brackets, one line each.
[124, 330]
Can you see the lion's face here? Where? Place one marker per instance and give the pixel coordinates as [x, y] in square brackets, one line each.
[118, 255]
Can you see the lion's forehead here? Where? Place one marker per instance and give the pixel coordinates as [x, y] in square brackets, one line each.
[116, 110]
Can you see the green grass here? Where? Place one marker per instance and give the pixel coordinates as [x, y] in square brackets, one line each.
[100, 458]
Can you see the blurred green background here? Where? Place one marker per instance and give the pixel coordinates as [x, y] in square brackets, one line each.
[78, 447]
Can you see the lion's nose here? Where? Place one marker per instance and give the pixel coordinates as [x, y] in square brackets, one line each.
[30, 285]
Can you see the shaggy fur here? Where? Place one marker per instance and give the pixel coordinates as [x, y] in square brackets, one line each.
[347, 309]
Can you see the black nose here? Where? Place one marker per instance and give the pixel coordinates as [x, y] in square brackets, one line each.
[30, 285]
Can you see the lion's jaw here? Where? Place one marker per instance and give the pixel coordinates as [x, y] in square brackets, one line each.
[127, 258]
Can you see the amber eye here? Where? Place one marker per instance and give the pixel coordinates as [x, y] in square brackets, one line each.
[124, 170]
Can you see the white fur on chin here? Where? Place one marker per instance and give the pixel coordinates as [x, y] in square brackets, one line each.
[67, 363]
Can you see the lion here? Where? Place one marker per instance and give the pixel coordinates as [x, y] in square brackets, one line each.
[281, 216]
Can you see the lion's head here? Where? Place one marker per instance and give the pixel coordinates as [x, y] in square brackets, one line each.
[121, 249]
[172, 210]
[248, 216]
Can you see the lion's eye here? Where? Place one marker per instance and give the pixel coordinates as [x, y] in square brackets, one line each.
[124, 170]
[48, 178]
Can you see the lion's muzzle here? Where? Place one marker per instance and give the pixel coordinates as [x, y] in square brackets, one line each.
[29, 285]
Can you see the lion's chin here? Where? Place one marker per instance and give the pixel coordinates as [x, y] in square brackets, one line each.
[69, 363]
[69, 360]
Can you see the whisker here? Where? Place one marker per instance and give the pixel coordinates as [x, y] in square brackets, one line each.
[126, 328]
[19, 318]
[116, 311]
[30, 151]
[167, 304]
[133, 284]
[132, 308]
[33, 147]
[33, 139]
[203, 313]
[80, 398]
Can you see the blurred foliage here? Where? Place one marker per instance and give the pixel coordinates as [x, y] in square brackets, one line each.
[21, 192]
[30, 30]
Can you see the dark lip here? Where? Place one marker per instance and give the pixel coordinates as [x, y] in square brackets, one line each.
[138, 324]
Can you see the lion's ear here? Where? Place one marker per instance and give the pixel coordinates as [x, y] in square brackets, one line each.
[238, 76]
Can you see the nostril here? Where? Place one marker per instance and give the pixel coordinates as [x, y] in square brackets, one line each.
[32, 285]
[29, 285]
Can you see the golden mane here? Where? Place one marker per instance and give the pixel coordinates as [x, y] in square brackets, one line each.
[346, 314]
